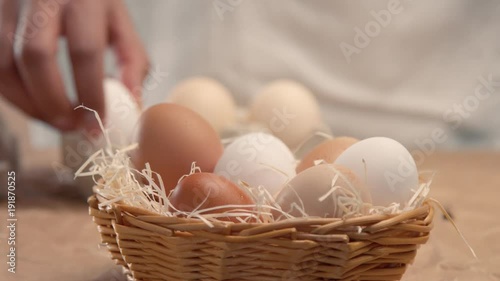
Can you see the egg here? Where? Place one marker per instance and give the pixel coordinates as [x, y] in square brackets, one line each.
[258, 159]
[328, 151]
[207, 97]
[289, 110]
[122, 112]
[172, 137]
[307, 189]
[386, 166]
[206, 190]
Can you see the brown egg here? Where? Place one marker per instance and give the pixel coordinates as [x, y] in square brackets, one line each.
[308, 187]
[207, 190]
[172, 137]
[328, 151]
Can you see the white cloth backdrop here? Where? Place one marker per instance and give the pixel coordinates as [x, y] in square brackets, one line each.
[411, 62]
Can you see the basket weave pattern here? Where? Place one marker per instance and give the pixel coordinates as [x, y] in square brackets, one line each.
[156, 247]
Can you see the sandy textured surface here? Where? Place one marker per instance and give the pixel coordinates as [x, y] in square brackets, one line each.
[57, 240]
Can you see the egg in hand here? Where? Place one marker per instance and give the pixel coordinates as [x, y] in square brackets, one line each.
[122, 112]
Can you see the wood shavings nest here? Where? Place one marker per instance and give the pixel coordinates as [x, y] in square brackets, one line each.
[117, 181]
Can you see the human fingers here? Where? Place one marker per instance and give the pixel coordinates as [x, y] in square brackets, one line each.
[35, 53]
[85, 29]
[11, 85]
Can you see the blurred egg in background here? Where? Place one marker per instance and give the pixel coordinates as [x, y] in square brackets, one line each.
[289, 110]
[207, 97]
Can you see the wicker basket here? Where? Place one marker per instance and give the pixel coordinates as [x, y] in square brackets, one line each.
[155, 247]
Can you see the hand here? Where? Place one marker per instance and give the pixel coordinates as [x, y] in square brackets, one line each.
[29, 74]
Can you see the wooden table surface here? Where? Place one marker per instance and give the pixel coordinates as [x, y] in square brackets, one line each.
[57, 240]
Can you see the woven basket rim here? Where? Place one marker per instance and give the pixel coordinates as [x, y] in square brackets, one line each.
[371, 223]
[354, 247]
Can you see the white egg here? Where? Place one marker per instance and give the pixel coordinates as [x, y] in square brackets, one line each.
[289, 110]
[207, 97]
[122, 112]
[386, 167]
[257, 159]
